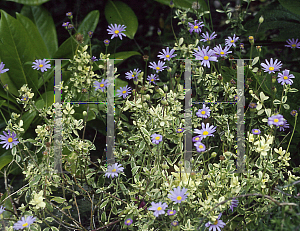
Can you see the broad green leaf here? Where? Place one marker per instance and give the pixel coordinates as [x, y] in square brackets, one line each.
[30, 2]
[27, 118]
[89, 23]
[67, 49]
[291, 5]
[16, 49]
[40, 103]
[124, 55]
[120, 13]
[45, 25]
[186, 4]
[5, 159]
[35, 36]
[276, 17]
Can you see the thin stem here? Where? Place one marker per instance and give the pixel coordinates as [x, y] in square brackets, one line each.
[292, 133]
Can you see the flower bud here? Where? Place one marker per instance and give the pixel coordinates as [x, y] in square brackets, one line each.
[84, 113]
[251, 40]
[147, 97]
[251, 92]
[158, 32]
[171, 4]
[273, 78]
[258, 48]
[261, 19]
[164, 101]
[274, 89]
[165, 165]
[192, 160]
[169, 69]
[146, 57]
[222, 157]
[180, 163]
[214, 154]
[5, 87]
[166, 88]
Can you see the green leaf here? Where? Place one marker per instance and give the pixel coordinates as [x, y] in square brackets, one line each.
[58, 199]
[27, 118]
[67, 207]
[40, 103]
[5, 159]
[291, 5]
[89, 23]
[276, 101]
[103, 204]
[35, 36]
[276, 17]
[134, 170]
[145, 131]
[124, 55]
[120, 13]
[35, 180]
[43, 20]
[186, 4]
[29, 2]
[134, 138]
[67, 49]
[15, 50]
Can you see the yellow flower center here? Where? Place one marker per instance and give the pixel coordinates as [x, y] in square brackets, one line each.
[205, 133]
[179, 130]
[157, 68]
[157, 138]
[197, 138]
[276, 120]
[222, 53]
[232, 41]
[171, 212]
[41, 65]
[216, 222]
[256, 130]
[116, 32]
[24, 98]
[293, 45]
[285, 77]
[114, 170]
[271, 68]
[167, 56]
[10, 139]
[178, 198]
[25, 224]
[196, 27]
[250, 37]
[128, 221]
[201, 146]
[206, 57]
[132, 76]
[159, 208]
[203, 112]
[152, 80]
[101, 85]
